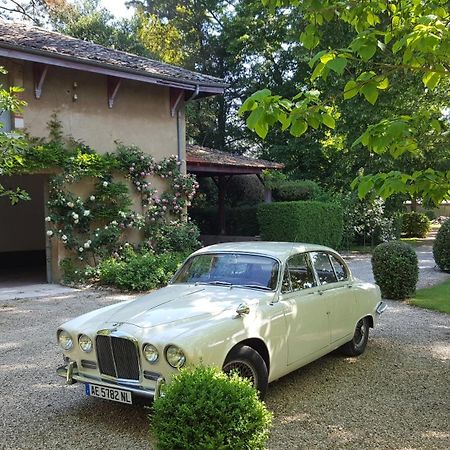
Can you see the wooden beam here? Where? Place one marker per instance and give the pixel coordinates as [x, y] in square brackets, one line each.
[39, 73]
[176, 95]
[112, 86]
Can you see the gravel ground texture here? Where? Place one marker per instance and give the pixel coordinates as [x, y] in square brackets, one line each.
[395, 396]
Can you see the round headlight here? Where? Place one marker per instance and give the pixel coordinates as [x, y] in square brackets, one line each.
[65, 340]
[85, 343]
[175, 356]
[150, 353]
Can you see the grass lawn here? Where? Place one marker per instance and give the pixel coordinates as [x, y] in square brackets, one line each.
[436, 297]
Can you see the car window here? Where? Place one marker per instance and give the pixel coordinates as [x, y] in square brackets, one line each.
[230, 269]
[339, 268]
[323, 267]
[300, 273]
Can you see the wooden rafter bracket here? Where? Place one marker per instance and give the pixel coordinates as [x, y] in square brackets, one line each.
[112, 85]
[39, 74]
[176, 95]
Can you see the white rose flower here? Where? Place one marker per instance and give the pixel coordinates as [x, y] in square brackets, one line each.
[105, 183]
[86, 245]
[92, 198]
[86, 212]
[64, 237]
[48, 219]
[81, 249]
[70, 205]
[49, 233]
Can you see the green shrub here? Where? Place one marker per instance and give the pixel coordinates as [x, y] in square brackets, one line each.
[309, 221]
[430, 214]
[239, 221]
[242, 221]
[296, 190]
[396, 270]
[176, 236]
[441, 247]
[366, 222]
[203, 408]
[139, 272]
[415, 224]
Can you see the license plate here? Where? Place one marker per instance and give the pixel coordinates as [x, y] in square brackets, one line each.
[117, 395]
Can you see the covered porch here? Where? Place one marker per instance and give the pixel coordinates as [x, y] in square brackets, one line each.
[221, 167]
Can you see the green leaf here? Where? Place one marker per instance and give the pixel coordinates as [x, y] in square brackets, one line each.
[337, 65]
[255, 117]
[317, 71]
[436, 125]
[328, 121]
[351, 89]
[370, 92]
[398, 45]
[298, 127]
[367, 51]
[365, 186]
[327, 57]
[383, 84]
[431, 79]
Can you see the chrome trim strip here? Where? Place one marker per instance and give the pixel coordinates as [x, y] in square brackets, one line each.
[381, 308]
[63, 371]
[120, 334]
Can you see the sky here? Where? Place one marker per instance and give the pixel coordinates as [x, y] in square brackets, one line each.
[118, 8]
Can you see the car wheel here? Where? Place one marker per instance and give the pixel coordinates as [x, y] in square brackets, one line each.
[248, 363]
[358, 343]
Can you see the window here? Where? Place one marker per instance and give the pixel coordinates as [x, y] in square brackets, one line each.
[324, 269]
[298, 274]
[339, 268]
[243, 270]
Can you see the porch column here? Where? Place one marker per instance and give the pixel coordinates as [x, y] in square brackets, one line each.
[222, 185]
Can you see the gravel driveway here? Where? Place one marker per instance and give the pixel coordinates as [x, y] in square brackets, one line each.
[395, 396]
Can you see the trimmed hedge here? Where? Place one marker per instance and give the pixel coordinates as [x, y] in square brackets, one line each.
[415, 224]
[203, 408]
[309, 222]
[296, 190]
[441, 247]
[396, 269]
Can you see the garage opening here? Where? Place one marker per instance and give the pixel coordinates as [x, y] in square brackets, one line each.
[22, 233]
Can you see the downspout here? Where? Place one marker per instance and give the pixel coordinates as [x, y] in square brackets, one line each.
[179, 131]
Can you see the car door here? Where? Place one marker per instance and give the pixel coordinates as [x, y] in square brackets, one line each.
[335, 288]
[306, 311]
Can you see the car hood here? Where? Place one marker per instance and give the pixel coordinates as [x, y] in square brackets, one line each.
[182, 303]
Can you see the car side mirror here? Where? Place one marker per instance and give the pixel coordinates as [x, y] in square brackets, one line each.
[242, 310]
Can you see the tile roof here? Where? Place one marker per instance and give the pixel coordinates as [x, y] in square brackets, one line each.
[26, 38]
[197, 155]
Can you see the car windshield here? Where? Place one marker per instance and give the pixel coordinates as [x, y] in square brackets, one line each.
[230, 269]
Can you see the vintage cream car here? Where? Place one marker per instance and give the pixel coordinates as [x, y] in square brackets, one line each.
[263, 309]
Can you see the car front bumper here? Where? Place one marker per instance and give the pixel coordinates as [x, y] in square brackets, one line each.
[71, 374]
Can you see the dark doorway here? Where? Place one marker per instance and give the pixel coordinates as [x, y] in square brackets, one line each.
[22, 233]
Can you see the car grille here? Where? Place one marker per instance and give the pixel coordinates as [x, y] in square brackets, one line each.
[117, 357]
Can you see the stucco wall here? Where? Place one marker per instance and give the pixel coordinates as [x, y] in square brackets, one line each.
[140, 114]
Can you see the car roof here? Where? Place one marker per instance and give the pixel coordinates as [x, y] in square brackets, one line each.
[280, 250]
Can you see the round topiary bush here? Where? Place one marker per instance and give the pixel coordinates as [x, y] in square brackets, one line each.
[396, 269]
[415, 224]
[441, 247]
[203, 408]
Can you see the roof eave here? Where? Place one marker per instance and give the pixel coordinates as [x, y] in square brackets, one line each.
[71, 62]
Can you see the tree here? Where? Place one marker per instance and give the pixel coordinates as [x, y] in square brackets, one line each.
[88, 21]
[388, 39]
[11, 145]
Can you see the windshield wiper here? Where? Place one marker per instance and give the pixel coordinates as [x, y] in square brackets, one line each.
[217, 283]
[253, 286]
